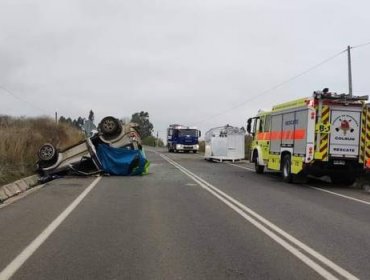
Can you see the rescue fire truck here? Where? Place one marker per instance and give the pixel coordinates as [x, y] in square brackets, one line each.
[319, 135]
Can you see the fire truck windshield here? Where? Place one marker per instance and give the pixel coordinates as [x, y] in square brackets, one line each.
[185, 132]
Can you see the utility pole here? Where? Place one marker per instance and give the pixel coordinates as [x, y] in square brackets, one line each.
[349, 71]
[157, 140]
[56, 117]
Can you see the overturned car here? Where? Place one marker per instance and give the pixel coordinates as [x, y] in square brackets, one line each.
[114, 149]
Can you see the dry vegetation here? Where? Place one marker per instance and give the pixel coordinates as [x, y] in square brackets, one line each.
[20, 139]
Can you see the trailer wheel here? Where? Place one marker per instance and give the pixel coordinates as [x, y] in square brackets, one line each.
[258, 168]
[286, 169]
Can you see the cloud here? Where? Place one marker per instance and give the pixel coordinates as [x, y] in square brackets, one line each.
[182, 61]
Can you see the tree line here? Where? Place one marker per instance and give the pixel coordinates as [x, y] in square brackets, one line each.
[145, 128]
[79, 122]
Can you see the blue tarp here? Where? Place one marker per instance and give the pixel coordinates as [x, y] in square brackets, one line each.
[123, 162]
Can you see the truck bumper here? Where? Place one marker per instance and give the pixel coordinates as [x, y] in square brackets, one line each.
[180, 147]
[319, 168]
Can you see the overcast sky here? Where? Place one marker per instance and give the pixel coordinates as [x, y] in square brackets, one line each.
[182, 61]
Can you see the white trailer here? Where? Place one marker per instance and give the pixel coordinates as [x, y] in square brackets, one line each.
[225, 143]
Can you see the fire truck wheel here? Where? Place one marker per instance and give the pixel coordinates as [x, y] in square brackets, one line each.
[258, 168]
[286, 169]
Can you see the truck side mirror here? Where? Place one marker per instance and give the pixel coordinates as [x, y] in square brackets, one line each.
[249, 125]
[199, 133]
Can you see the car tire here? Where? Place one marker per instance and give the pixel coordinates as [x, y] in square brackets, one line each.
[47, 152]
[110, 126]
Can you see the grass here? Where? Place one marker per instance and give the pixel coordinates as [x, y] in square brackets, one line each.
[20, 139]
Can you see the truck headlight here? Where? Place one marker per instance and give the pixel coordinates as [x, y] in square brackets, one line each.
[179, 146]
[196, 147]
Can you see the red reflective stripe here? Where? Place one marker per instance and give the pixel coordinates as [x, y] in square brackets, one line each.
[290, 134]
[263, 136]
[275, 135]
[298, 134]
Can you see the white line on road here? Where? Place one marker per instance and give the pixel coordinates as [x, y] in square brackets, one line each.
[341, 195]
[243, 167]
[264, 225]
[39, 240]
[315, 188]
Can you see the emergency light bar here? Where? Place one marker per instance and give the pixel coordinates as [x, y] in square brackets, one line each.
[340, 97]
[179, 126]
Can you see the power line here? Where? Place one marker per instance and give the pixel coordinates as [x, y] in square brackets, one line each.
[275, 87]
[361, 91]
[22, 100]
[361, 45]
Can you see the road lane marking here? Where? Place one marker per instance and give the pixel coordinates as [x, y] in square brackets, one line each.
[243, 167]
[12, 267]
[270, 229]
[316, 188]
[312, 187]
[340, 195]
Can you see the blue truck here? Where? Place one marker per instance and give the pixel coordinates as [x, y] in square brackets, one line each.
[182, 138]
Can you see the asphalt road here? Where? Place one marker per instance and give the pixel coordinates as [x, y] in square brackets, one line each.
[187, 219]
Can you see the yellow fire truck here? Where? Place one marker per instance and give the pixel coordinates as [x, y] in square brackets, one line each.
[319, 135]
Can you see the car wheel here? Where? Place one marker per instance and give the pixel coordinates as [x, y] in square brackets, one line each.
[47, 152]
[110, 126]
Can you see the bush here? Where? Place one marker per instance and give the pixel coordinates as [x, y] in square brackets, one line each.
[22, 137]
[202, 146]
[153, 141]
